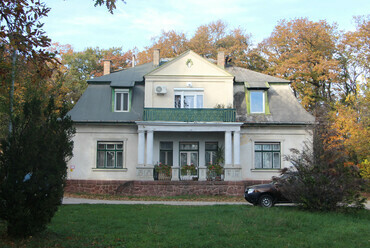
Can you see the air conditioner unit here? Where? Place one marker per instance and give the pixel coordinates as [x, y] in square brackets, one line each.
[160, 89]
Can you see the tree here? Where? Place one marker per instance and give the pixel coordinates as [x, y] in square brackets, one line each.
[21, 32]
[350, 126]
[33, 165]
[320, 179]
[76, 68]
[304, 51]
[203, 41]
[215, 36]
[353, 52]
[110, 4]
[236, 46]
[170, 44]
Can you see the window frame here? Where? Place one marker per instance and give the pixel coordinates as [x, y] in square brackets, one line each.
[262, 151]
[189, 92]
[263, 101]
[106, 150]
[166, 151]
[121, 91]
[213, 152]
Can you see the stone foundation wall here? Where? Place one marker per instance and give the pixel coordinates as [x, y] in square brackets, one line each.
[159, 188]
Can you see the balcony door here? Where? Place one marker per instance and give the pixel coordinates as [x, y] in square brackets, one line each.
[189, 99]
[188, 160]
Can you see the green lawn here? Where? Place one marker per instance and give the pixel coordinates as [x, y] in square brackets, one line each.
[203, 226]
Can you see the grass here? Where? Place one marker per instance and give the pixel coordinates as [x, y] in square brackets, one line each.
[201, 226]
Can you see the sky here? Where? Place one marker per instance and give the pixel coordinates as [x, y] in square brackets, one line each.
[134, 23]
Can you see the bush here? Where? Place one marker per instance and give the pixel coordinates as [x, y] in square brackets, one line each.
[33, 167]
[320, 179]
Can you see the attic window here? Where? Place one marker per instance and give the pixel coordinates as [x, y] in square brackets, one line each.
[257, 101]
[121, 100]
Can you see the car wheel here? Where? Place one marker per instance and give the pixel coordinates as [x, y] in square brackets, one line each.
[266, 201]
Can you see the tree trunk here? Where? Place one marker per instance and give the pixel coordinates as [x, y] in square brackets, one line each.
[14, 59]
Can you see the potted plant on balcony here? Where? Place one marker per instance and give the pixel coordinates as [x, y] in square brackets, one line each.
[164, 171]
[215, 171]
[188, 170]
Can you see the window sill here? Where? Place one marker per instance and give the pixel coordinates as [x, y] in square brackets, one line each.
[110, 169]
[265, 170]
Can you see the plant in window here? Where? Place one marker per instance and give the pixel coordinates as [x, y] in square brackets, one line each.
[188, 168]
[215, 169]
[163, 169]
[220, 155]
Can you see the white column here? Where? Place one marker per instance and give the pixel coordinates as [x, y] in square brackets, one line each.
[237, 148]
[149, 148]
[228, 149]
[141, 148]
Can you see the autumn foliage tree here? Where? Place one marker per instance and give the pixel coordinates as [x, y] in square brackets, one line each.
[171, 44]
[304, 51]
[21, 33]
[207, 40]
[75, 68]
[354, 58]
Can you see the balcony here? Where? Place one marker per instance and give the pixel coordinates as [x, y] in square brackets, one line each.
[189, 115]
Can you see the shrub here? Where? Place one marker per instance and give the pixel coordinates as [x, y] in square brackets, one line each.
[33, 167]
[320, 179]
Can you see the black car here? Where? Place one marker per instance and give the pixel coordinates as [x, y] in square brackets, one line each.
[265, 195]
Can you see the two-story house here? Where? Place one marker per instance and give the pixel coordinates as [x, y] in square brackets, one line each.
[180, 112]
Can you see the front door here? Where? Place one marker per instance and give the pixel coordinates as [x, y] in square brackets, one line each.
[188, 164]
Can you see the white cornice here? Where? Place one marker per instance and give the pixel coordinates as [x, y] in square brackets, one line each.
[162, 126]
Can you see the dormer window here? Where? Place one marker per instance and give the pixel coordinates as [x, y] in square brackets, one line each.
[257, 101]
[121, 100]
[257, 97]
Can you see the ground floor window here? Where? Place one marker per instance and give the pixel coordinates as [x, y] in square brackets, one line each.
[110, 155]
[267, 155]
[211, 150]
[166, 153]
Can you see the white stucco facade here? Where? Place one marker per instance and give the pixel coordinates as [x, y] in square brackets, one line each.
[83, 165]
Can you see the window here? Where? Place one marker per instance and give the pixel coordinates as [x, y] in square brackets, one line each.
[267, 155]
[211, 150]
[257, 102]
[166, 153]
[110, 155]
[121, 100]
[189, 99]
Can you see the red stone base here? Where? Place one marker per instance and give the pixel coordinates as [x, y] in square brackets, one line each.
[159, 188]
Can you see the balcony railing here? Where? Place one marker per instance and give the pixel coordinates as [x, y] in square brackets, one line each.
[189, 115]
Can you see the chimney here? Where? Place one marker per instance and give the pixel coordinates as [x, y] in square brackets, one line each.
[133, 61]
[156, 57]
[221, 59]
[107, 66]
